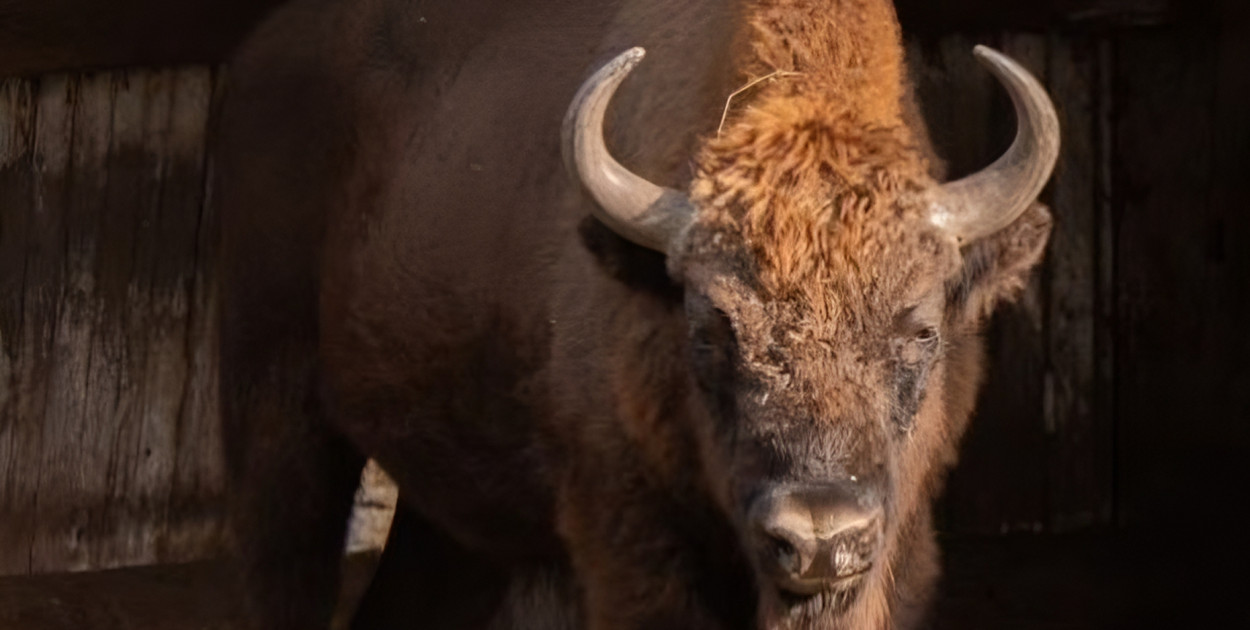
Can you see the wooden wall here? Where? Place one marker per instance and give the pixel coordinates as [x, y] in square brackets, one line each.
[108, 417]
[1118, 382]
[1182, 273]
[1117, 385]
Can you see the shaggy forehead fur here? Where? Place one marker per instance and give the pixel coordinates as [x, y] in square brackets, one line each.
[813, 179]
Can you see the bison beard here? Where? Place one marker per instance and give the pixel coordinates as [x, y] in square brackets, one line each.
[725, 401]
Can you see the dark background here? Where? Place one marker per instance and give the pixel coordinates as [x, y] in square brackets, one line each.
[1099, 483]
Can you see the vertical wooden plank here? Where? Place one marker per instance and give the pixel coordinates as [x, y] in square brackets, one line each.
[73, 486]
[1228, 229]
[1105, 322]
[149, 328]
[1175, 348]
[1216, 473]
[44, 272]
[1224, 344]
[68, 481]
[21, 397]
[46, 259]
[1080, 455]
[154, 326]
[194, 516]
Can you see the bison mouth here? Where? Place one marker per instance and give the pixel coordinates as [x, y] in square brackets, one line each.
[806, 609]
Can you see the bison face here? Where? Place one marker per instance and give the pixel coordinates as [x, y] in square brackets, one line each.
[822, 382]
[832, 292]
[835, 388]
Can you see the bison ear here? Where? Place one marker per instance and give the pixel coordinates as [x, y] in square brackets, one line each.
[996, 268]
[635, 266]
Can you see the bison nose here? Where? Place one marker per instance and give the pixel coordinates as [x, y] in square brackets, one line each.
[812, 535]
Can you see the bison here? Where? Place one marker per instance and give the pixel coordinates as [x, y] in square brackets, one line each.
[712, 380]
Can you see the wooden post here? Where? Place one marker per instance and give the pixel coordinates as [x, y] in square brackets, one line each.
[1177, 342]
[1080, 439]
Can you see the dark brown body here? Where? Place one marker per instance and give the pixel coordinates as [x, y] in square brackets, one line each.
[412, 276]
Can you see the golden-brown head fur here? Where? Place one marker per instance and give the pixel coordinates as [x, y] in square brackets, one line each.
[820, 164]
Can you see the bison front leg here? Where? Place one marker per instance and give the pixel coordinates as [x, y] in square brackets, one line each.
[650, 560]
[292, 483]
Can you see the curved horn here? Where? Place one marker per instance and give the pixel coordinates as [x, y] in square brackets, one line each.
[988, 201]
[633, 207]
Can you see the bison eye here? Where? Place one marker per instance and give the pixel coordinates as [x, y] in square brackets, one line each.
[927, 335]
[920, 347]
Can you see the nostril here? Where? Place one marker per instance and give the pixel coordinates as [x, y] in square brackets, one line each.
[784, 553]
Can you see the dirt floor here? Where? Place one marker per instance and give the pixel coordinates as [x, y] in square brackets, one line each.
[198, 596]
[1020, 583]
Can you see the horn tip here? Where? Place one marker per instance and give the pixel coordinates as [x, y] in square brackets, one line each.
[632, 57]
[625, 62]
[985, 54]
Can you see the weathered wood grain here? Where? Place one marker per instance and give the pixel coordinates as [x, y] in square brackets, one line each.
[1081, 453]
[109, 421]
[194, 524]
[106, 392]
[21, 350]
[60, 365]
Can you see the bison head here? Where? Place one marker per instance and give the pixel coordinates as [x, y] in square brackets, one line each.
[833, 292]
